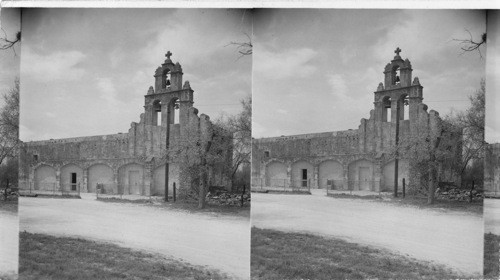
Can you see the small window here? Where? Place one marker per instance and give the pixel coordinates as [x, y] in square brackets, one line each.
[266, 153]
[35, 157]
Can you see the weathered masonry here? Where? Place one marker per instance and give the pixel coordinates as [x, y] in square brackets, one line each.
[492, 170]
[124, 163]
[357, 159]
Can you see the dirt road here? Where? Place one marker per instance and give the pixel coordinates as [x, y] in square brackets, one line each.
[450, 238]
[491, 216]
[201, 239]
[9, 243]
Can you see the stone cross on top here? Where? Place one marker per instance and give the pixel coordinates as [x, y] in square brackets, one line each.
[168, 54]
[397, 51]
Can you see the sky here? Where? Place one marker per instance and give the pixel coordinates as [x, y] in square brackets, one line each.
[492, 125]
[85, 72]
[10, 22]
[316, 70]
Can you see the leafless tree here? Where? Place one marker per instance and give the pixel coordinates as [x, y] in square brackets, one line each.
[470, 45]
[239, 128]
[6, 43]
[471, 122]
[244, 48]
[9, 123]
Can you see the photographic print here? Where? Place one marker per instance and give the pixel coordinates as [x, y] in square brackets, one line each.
[9, 132]
[492, 152]
[135, 129]
[365, 163]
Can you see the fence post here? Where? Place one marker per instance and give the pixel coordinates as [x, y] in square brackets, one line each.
[470, 194]
[242, 194]
[174, 190]
[404, 187]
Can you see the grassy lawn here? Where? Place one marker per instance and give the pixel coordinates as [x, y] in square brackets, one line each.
[491, 256]
[280, 255]
[9, 205]
[47, 257]
[189, 206]
[475, 207]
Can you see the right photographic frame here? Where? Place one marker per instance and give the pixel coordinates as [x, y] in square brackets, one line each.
[368, 152]
[492, 151]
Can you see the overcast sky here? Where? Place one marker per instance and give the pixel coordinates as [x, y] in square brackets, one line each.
[10, 21]
[85, 71]
[493, 79]
[316, 70]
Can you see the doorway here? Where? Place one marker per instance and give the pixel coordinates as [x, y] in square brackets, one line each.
[304, 178]
[134, 182]
[73, 181]
[364, 176]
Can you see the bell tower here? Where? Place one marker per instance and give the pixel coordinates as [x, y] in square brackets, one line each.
[168, 96]
[398, 92]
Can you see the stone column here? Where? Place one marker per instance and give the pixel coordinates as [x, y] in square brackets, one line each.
[58, 179]
[315, 184]
[116, 187]
[147, 180]
[84, 186]
[289, 174]
[378, 171]
[31, 179]
[345, 169]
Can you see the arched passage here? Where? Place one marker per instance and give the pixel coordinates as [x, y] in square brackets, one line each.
[45, 178]
[131, 179]
[100, 174]
[302, 174]
[361, 175]
[386, 109]
[331, 174]
[276, 174]
[71, 177]
[388, 174]
[159, 179]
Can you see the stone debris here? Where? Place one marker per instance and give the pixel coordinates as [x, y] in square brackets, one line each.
[459, 194]
[229, 199]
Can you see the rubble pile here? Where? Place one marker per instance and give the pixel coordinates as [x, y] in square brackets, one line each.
[226, 198]
[459, 194]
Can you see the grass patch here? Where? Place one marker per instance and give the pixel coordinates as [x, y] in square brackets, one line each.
[48, 257]
[476, 207]
[189, 206]
[10, 205]
[280, 255]
[491, 255]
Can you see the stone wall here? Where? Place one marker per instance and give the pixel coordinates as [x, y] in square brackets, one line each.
[125, 163]
[362, 158]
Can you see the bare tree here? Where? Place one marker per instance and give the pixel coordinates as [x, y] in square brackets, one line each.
[202, 150]
[470, 45]
[6, 43]
[471, 122]
[244, 48]
[239, 127]
[9, 123]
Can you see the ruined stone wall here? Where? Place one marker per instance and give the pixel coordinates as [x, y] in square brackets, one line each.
[126, 163]
[364, 158]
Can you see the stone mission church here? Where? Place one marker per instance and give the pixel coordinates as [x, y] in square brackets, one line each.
[125, 163]
[357, 159]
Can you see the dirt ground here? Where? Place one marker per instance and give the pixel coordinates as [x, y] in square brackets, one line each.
[491, 216]
[220, 242]
[9, 243]
[453, 239]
